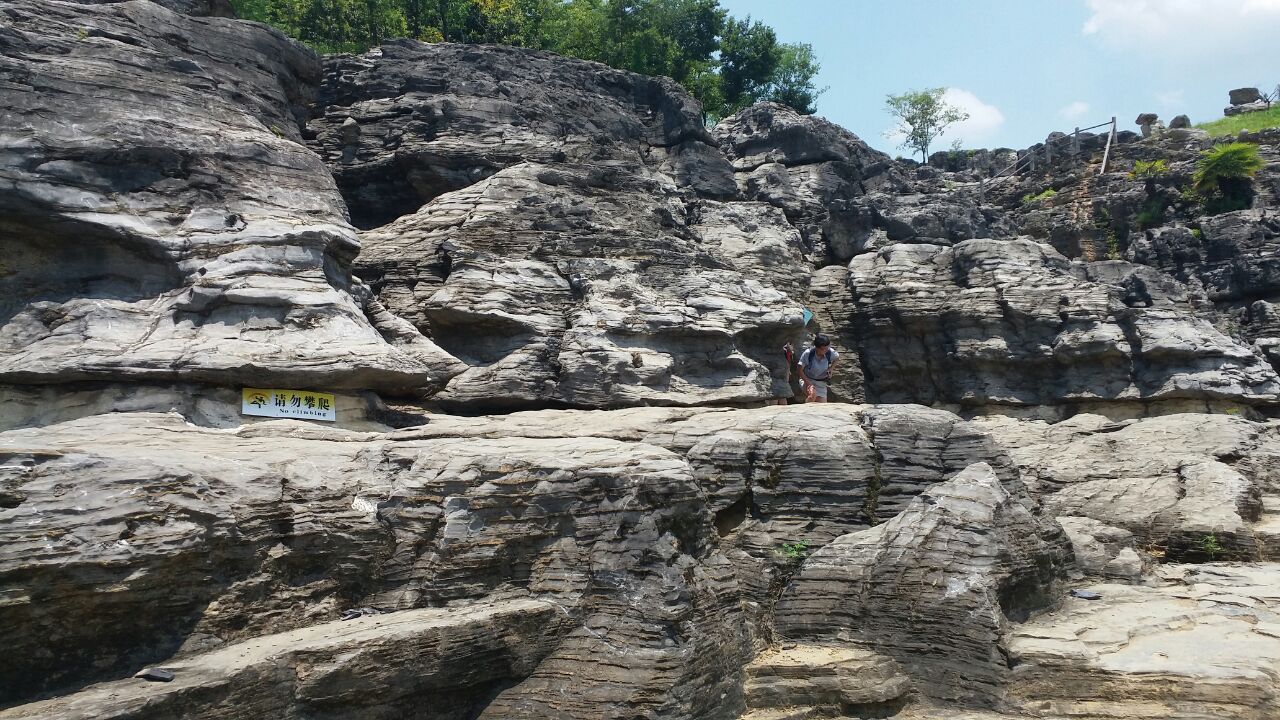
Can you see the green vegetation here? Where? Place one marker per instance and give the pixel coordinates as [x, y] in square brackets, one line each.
[1029, 198]
[1260, 120]
[1210, 546]
[1151, 215]
[922, 116]
[794, 550]
[1113, 245]
[726, 63]
[1223, 176]
[1149, 169]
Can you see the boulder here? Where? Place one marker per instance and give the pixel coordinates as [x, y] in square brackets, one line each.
[1244, 96]
[1182, 484]
[594, 286]
[811, 168]
[1180, 122]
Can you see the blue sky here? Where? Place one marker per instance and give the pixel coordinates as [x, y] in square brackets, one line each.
[1024, 68]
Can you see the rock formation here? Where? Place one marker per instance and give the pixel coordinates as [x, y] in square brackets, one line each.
[1050, 491]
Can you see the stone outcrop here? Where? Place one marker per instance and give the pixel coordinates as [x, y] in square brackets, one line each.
[369, 667]
[1186, 485]
[1012, 322]
[190, 204]
[594, 286]
[174, 228]
[934, 587]
[657, 532]
[1201, 643]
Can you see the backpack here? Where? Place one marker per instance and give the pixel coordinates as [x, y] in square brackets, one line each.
[808, 356]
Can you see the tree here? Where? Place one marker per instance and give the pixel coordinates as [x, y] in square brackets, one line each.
[922, 116]
[792, 83]
[749, 58]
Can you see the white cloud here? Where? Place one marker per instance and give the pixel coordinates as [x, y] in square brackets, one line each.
[1174, 28]
[984, 120]
[1075, 110]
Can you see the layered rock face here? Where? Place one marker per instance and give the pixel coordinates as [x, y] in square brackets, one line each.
[161, 221]
[934, 586]
[190, 205]
[574, 247]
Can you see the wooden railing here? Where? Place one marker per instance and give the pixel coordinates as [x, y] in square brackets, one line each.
[1030, 159]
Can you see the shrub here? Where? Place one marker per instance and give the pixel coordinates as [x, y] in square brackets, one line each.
[1223, 176]
[1152, 214]
[1226, 162]
[1029, 198]
[1149, 169]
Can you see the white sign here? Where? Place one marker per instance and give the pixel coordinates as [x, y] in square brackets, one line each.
[300, 404]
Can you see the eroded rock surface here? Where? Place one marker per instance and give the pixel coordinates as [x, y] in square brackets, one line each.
[934, 587]
[172, 227]
[1185, 485]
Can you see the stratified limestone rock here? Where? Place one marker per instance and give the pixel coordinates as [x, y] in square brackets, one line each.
[594, 286]
[159, 220]
[1205, 643]
[1015, 323]
[935, 586]
[378, 666]
[1182, 484]
[433, 118]
[845, 680]
[813, 169]
[1105, 551]
[778, 474]
[187, 537]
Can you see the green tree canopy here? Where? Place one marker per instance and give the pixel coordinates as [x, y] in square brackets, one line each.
[922, 116]
[724, 62]
[792, 80]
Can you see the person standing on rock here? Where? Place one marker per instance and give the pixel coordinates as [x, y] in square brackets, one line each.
[815, 366]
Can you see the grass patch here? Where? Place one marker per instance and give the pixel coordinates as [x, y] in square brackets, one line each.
[1029, 198]
[1249, 121]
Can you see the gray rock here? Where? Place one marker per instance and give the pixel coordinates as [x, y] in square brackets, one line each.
[1104, 551]
[1258, 106]
[180, 232]
[1198, 644]
[1014, 323]
[1244, 96]
[934, 587]
[363, 669]
[810, 168]
[1172, 481]
[1179, 122]
[680, 300]
[440, 117]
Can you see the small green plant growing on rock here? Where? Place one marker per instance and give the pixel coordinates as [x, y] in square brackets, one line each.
[794, 550]
[1113, 245]
[1149, 169]
[1210, 546]
[1224, 174]
[1047, 194]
